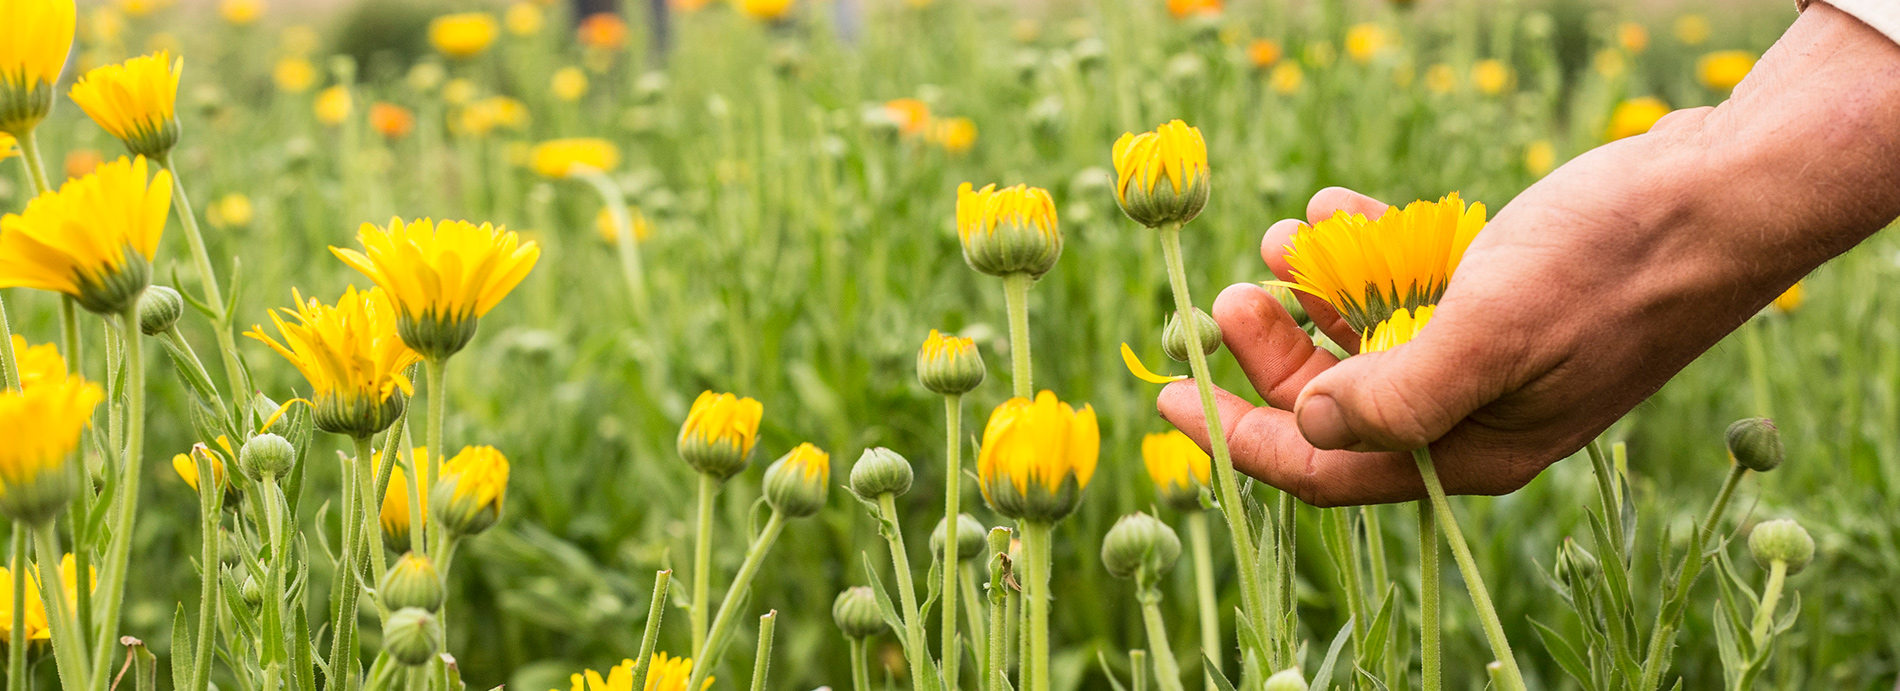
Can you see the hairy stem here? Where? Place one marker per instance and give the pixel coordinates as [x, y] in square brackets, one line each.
[701, 608]
[119, 552]
[735, 598]
[916, 642]
[1467, 566]
[1035, 674]
[1431, 660]
[1167, 669]
[1205, 597]
[1016, 300]
[69, 652]
[952, 508]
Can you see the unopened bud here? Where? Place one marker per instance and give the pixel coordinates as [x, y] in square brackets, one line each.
[1288, 679]
[1781, 540]
[1755, 444]
[412, 582]
[880, 471]
[798, 484]
[1174, 337]
[857, 614]
[159, 308]
[969, 537]
[266, 455]
[1575, 564]
[1140, 545]
[252, 591]
[412, 636]
[949, 365]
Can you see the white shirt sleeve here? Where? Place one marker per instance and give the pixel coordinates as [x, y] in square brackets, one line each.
[1882, 15]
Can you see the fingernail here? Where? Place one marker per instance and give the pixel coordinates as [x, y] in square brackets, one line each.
[1323, 424]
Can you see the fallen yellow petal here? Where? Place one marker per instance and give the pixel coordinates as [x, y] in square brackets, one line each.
[272, 420]
[1142, 372]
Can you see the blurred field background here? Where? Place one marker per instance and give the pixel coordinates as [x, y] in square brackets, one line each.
[801, 246]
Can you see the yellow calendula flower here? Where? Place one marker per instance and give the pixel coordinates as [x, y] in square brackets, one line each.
[233, 210]
[1693, 29]
[35, 625]
[1723, 69]
[564, 158]
[1174, 153]
[467, 498]
[664, 673]
[719, 433]
[507, 112]
[93, 239]
[1632, 37]
[42, 422]
[241, 12]
[1184, 9]
[1491, 77]
[949, 365]
[37, 364]
[956, 135]
[1037, 457]
[394, 515]
[294, 75]
[1790, 300]
[568, 84]
[1635, 116]
[604, 225]
[1366, 41]
[524, 19]
[1178, 467]
[35, 36]
[187, 467]
[134, 101]
[352, 357]
[764, 10]
[798, 484]
[1610, 63]
[334, 105]
[1286, 78]
[1540, 157]
[441, 277]
[1383, 274]
[463, 34]
[1008, 231]
[910, 115]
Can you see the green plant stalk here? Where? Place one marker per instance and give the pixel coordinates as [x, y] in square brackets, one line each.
[860, 677]
[656, 612]
[279, 568]
[700, 608]
[177, 346]
[998, 639]
[210, 505]
[1758, 369]
[916, 641]
[1016, 300]
[762, 662]
[344, 663]
[1770, 598]
[1167, 669]
[735, 598]
[69, 651]
[625, 244]
[371, 504]
[1205, 598]
[111, 587]
[35, 165]
[69, 332]
[208, 278]
[16, 654]
[1381, 578]
[1714, 518]
[952, 507]
[1138, 669]
[1035, 667]
[1431, 651]
[1227, 483]
[973, 611]
[414, 497]
[1687, 570]
[1355, 588]
[437, 372]
[9, 367]
[1513, 679]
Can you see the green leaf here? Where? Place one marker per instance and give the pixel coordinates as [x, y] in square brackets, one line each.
[181, 641]
[1566, 656]
[1220, 680]
[884, 605]
[1101, 659]
[1324, 675]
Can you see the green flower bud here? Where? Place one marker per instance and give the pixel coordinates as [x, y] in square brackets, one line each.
[1291, 303]
[266, 455]
[857, 614]
[467, 498]
[880, 471]
[969, 537]
[412, 636]
[949, 365]
[719, 433]
[252, 591]
[412, 582]
[1288, 679]
[1140, 546]
[1781, 540]
[1575, 564]
[1008, 231]
[1162, 176]
[798, 484]
[1755, 444]
[1174, 338]
[358, 416]
[159, 308]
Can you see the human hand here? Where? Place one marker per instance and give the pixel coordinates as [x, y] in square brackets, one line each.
[1584, 294]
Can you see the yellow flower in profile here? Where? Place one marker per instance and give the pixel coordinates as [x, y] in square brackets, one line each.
[467, 498]
[35, 624]
[37, 364]
[1540, 157]
[394, 516]
[294, 75]
[1366, 41]
[664, 673]
[565, 158]
[1693, 29]
[1790, 300]
[764, 10]
[334, 105]
[463, 34]
[1008, 231]
[1632, 37]
[1383, 274]
[1723, 69]
[352, 357]
[42, 422]
[568, 84]
[798, 484]
[93, 239]
[1263, 53]
[187, 466]
[524, 19]
[35, 36]
[949, 365]
[1037, 457]
[604, 225]
[1174, 153]
[134, 101]
[1286, 78]
[956, 135]
[1491, 77]
[1183, 9]
[441, 277]
[719, 433]
[1635, 116]
[1178, 467]
[241, 12]
[507, 112]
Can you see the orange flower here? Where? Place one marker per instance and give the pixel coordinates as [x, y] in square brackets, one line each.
[1263, 53]
[391, 120]
[1182, 9]
[911, 115]
[606, 31]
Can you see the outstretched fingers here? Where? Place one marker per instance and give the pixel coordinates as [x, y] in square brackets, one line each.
[1278, 357]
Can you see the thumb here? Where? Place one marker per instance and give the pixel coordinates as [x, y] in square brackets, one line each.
[1406, 397]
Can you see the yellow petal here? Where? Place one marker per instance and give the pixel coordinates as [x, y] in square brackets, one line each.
[1142, 372]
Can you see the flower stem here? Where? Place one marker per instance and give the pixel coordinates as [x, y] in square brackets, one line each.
[1714, 517]
[997, 659]
[625, 243]
[1431, 653]
[1167, 669]
[210, 506]
[1035, 667]
[916, 642]
[208, 278]
[69, 652]
[16, 654]
[860, 677]
[9, 368]
[1770, 598]
[979, 637]
[656, 612]
[1758, 368]
[1227, 482]
[762, 660]
[1016, 300]
[701, 607]
[1204, 594]
[119, 552]
[344, 661]
[735, 599]
[34, 163]
[1468, 567]
[436, 369]
[952, 508]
